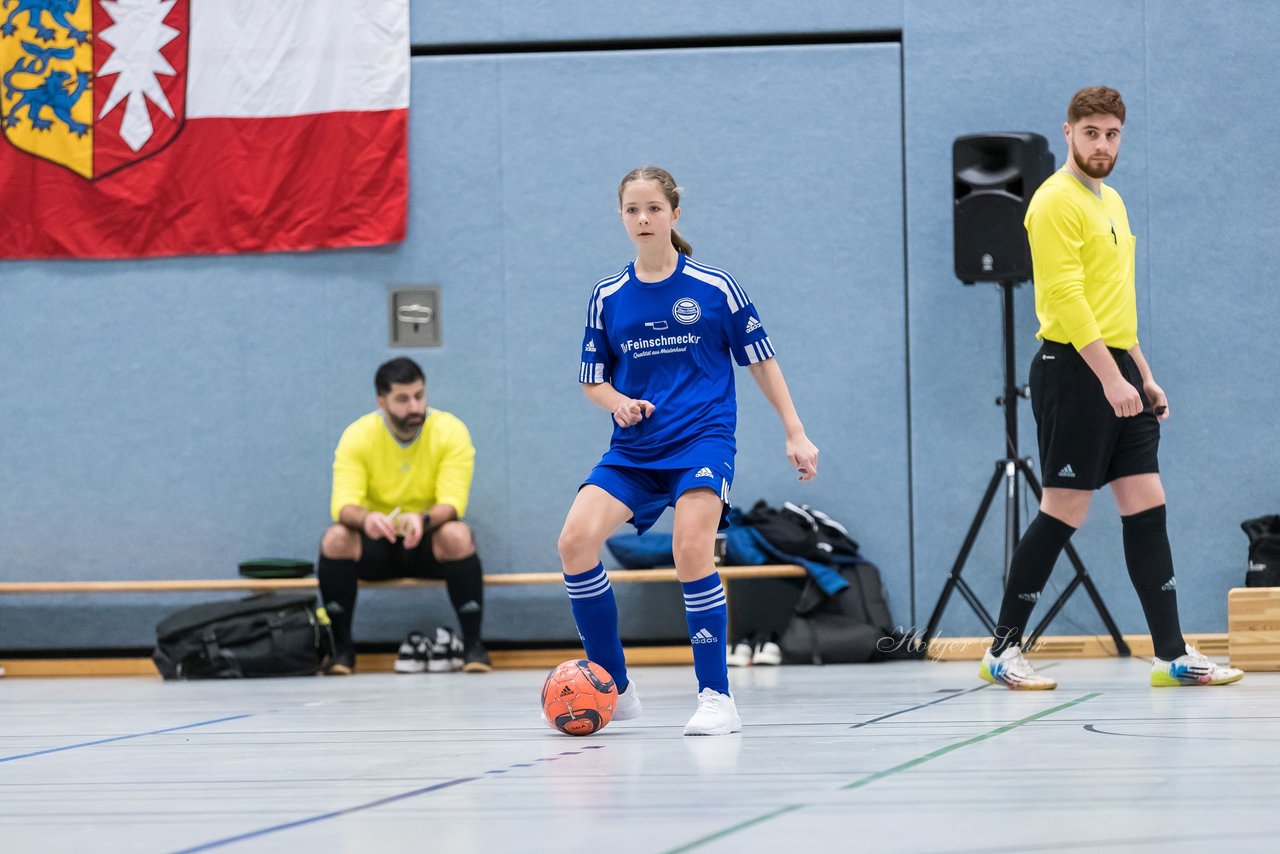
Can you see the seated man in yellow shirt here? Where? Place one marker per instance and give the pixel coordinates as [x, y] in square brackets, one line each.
[401, 477]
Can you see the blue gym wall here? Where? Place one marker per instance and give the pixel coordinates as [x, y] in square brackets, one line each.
[170, 418]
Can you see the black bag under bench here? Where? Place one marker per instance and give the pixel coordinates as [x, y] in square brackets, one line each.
[265, 635]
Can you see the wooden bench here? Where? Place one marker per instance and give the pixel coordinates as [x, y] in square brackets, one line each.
[376, 662]
[259, 585]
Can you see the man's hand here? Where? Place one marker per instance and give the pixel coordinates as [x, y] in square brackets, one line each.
[1124, 398]
[1159, 403]
[410, 527]
[378, 526]
[632, 412]
[803, 455]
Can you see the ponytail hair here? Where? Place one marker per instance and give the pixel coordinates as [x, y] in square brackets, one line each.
[669, 189]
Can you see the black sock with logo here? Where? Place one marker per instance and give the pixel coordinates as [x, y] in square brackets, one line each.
[1150, 562]
[1029, 571]
[465, 581]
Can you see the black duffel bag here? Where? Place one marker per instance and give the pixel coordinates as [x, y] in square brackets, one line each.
[265, 635]
[1264, 551]
[849, 627]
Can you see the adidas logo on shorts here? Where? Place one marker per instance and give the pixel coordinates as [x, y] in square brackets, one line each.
[1067, 471]
[1171, 584]
[705, 472]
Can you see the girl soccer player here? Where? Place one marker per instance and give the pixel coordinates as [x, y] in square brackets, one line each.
[661, 338]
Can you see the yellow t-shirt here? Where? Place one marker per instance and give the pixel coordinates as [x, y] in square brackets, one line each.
[371, 469]
[1082, 257]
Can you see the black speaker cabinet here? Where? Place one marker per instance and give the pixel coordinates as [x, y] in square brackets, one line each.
[995, 175]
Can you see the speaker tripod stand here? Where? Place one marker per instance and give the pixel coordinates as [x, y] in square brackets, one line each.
[1007, 472]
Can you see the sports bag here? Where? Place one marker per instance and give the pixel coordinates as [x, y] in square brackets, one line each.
[843, 628]
[265, 635]
[803, 532]
[1264, 551]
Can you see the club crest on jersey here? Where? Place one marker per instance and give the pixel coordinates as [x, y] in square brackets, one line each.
[93, 85]
[686, 310]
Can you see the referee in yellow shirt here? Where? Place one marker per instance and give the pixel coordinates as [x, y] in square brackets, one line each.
[401, 477]
[1097, 406]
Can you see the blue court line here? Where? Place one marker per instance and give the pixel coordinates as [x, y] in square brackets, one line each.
[119, 738]
[217, 843]
[921, 706]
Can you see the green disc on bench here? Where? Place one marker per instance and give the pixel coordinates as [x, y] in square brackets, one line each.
[276, 567]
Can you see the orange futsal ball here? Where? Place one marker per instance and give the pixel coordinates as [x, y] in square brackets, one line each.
[579, 697]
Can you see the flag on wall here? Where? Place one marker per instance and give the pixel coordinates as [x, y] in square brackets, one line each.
[167, 127]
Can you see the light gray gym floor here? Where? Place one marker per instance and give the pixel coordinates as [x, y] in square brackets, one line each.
[903, 756]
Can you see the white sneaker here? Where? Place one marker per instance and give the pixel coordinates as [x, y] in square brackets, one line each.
[717, 715]
[413, 654]
[740, 654]
[628, 708]
[1013, 671]
[446, 653]
[767, 652]
[1191, 669]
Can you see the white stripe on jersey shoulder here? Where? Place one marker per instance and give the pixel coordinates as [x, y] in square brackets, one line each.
[603, 288]
[719, 279]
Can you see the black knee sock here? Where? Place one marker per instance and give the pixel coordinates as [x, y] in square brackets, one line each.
[1029, 571]
[1150, 562]
[338, 586]
[465, 580]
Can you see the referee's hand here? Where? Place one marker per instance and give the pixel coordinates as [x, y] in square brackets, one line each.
[1124, 398]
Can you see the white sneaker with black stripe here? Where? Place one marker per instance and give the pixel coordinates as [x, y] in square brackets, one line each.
[413, 654]
[1013, 671]
[1194, 668]
[446, 652]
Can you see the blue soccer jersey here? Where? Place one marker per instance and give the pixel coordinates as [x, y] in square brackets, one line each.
[670, 343]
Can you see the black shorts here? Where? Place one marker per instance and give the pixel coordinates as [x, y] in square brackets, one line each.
[383, 559]
[1083, 445]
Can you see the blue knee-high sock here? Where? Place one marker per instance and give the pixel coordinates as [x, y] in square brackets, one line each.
[596, 613]
[707, 613]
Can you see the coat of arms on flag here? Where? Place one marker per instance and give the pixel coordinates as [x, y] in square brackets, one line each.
[93, 85]
[136, 128]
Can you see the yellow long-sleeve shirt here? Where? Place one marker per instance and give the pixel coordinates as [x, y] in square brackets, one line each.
[371, 469]
[1082, 257]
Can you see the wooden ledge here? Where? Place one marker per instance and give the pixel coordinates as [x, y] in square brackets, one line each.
[497, 579]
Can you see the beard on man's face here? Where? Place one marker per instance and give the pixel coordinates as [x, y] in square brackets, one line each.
[407, 424]
[1093, 168]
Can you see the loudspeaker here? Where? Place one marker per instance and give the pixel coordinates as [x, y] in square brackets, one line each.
[995, 175]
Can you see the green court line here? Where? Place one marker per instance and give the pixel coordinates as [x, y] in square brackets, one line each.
[880, 775]
[734, 829]
[942, 751]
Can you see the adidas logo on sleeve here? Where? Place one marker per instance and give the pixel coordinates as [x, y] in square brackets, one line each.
[753, 324]
[591, 347]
